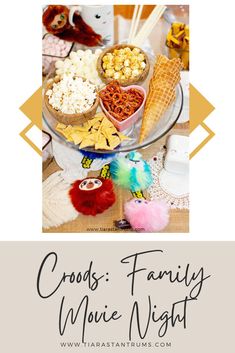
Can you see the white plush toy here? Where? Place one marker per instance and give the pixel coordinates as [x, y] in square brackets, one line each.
[99, 17]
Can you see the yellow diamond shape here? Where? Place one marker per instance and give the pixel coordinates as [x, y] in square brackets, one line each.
[200, 108]
[32, 108]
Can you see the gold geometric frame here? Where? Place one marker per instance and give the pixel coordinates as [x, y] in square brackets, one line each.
[200, 108]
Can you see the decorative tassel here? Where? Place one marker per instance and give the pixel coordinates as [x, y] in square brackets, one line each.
[57, 207]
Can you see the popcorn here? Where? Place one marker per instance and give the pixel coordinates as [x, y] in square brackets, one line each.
[127, 72]
[117, 75]
[109, 73]
[135, 67]
[109, 65]
[127, 62]
[136, 51]
[135, 72]
[123, 63]
[59, 64]
[118, 67]
[134, 60]
[119, 59]
[72, 95]
[143, 65]
[81, 63]
[140, 57]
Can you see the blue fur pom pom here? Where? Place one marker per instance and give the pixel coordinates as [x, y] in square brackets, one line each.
[131, 172]
[93, 155]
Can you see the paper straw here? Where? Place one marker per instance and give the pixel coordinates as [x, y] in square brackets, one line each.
[133, 22]
[136, 25]
[149, 20]
[149, 25]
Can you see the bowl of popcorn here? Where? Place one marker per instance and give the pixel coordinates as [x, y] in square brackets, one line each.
[125, 63]
[72, 100]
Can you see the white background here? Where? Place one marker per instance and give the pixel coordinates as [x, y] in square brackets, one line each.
[212, 172]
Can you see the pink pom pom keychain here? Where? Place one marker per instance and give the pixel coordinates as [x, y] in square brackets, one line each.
[147, 216]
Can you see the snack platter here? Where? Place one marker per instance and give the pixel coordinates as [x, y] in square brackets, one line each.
[124, 134]
[110, 104]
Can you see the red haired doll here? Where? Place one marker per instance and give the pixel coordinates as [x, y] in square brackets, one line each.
[56, 21]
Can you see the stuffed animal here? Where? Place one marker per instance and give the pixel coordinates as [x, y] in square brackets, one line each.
[147, 216]
[91, 196]
[131, 172]
[56, 21]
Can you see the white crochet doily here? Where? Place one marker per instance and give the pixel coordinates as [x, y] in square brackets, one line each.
[172, 188]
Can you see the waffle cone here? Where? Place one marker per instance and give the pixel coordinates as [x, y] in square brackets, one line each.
[161, 94]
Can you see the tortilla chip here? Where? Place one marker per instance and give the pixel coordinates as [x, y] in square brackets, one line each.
[96, 125]
[109, 131]
[99, 116]
[98, 132]
[94, 136]
[60, 126]
[106, 123]
[113, 141]
[123, 137]
[87, 142]
[77, 138]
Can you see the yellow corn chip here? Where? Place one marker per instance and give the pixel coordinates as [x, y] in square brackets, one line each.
[87, 142]
[98, 132]
[93, 131]
[60, 126]
[101, 142]
[109, 131]
[123, 137]
[94, 137]
[96, 125]
[99, 116]
[70, 139]
[100, 146]
[77, 138]
[106, 123]
[81, 128]
[113, 141]
[86, 126]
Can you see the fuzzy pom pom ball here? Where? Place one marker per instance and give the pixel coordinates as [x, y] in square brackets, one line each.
[131, 172]
[92, 196]
[147, 216]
